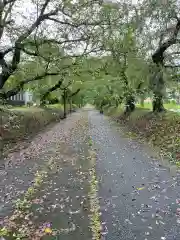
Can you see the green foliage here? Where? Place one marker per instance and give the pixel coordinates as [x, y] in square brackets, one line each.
[121, 68]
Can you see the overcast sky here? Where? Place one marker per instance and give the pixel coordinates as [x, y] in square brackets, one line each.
[24, 14]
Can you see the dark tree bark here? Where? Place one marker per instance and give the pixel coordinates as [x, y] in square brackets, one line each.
[157, 103]
[75, 93]
[51, 89]
[65, 102]
[158, 88]
[71, 96]
[19, 87]
[70, 104]
[158, 59]
[129, 98]
[130, 105]
[9, 69]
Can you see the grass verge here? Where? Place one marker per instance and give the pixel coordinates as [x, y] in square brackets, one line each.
[160, 130]
[22, 123]
[166, 105]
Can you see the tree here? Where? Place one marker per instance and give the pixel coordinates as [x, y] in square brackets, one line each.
[72, 25]
[124, 61]
[158, 25]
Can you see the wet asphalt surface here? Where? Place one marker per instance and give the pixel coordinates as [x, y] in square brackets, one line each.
[139, 199]
[62, 199]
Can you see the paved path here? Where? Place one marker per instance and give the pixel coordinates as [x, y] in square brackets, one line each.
[62, 200]
[139, 199]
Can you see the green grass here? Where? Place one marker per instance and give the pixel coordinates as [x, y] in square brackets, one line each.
[161, 130]
[171, 105]
[21, 108]
[22, 123]
[112, 111]
[32, 109]
[166, 105]
[56, 106]
[27, 109]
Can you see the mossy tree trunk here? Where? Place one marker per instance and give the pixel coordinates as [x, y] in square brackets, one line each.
[129, 104]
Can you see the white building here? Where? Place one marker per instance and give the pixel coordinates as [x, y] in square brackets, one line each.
[22, 97]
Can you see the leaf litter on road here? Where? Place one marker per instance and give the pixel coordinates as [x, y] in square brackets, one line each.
[64, 195]
[60, 196]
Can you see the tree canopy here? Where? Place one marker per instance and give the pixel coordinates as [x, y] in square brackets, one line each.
[103, 52]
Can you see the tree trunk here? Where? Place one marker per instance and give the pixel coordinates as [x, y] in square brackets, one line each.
[157, 103]
[158, 89]
[3, 100]
[130, 105]
[142, 101]
[43, 101]
[116, 103]
[70, 104]
[64, 103]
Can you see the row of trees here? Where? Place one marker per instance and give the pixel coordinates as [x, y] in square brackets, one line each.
[83, 50]
[41, 48]
[143, 46]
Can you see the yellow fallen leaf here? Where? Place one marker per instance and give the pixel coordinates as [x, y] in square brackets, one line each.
[141, 188]
[48, 230]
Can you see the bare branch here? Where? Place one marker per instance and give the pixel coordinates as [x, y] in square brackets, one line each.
[20, 47]
[75, 25]
[174, 53]
[66, 87]
[9, 1]
[35, 54]
[61, 22]
[75, 93]
[44, 7]
[3, 16]
[42, 17]
[171, 66]
[44, 41]
[158, 56]
[52, 89]
[175, 15]
[7, 51]
[5, 71]
[11, 4]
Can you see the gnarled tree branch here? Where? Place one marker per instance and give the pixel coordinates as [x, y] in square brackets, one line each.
[158, 56]
[21, 84]
[18, 47]
[75, 93]
[51, 89]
